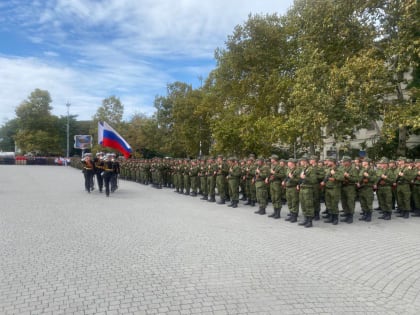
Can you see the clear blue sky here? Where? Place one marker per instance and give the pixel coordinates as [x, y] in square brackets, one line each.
[83, 51]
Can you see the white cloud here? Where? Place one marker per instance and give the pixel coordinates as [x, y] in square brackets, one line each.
[84, 89]
[86, 50]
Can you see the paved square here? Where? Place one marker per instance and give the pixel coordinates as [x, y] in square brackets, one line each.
[149, 251]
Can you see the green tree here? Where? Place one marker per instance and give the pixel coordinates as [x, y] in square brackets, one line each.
[250, 86]
[183, 121]
[7, 135]
[339, 82]
[398, 39]
[111, 111]
[37, 126]
[143, 134]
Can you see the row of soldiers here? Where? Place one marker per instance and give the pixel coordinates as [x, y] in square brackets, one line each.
[301, 183]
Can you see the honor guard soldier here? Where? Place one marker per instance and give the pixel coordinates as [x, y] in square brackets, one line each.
[88, 171]
[108, 173]
[115, 172]
[99, 168]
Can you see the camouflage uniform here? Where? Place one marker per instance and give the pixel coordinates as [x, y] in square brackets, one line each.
[261, 174]
[332, 183]
[367, 179]
[307, 183]
[292, 194]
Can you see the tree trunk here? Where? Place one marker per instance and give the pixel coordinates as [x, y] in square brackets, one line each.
[402, 141]
[402, 131]
[312, 149]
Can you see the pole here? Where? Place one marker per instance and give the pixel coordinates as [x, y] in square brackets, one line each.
[68, 129]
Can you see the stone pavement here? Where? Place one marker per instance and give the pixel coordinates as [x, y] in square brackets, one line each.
[149, 251]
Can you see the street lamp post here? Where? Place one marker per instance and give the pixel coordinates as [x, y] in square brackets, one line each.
[68, 128]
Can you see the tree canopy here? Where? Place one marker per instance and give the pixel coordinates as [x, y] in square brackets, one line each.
[324, 69]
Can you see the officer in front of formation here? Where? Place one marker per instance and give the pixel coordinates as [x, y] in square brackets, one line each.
[88, 171]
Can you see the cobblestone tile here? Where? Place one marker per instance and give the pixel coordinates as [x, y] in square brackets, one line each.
[148, 251]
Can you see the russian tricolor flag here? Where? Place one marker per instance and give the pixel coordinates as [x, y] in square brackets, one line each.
[108, 137]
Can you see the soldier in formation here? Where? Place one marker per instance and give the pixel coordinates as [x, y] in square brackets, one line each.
[307, 183]
[302, 183]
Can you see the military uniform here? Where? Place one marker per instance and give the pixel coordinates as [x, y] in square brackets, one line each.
[179, 173]
[109, 169]
[383, 186]
[99, 168]
[367, 179]
[348, 189]
[332, 184]
[211, 173]
[404, 176]
[242, 180]
[250, 181]
[222, 171]
[88, 171]
[194, 169]
[186, 177]
[233, 177]
[292, 194]
[319, 171]
[202, 175]
[277, 175]
[116, 172]
[307, 183]
[262, 172]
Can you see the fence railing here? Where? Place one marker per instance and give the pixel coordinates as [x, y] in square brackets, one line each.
[37, 160]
